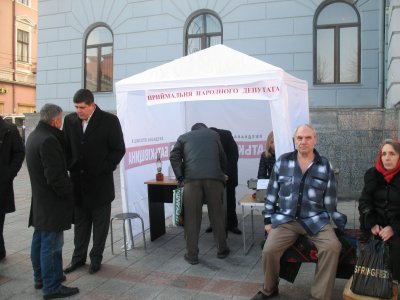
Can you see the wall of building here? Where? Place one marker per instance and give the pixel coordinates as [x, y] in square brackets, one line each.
[150, 33]
[17, 79]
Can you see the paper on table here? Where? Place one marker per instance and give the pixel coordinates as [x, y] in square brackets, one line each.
[262, 184]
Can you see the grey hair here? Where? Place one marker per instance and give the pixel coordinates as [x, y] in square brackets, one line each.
[49, 112]
[305, 125]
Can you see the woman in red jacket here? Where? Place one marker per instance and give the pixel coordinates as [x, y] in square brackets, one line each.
[379, 204]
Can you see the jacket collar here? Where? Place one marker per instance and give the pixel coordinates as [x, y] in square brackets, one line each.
[53, 130]
[317, 157]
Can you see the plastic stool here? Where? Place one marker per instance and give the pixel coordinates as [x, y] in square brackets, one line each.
[126, 217]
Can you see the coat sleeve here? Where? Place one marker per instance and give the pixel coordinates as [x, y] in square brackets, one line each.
[17, 154]
[54, 166]
[262, 167]
[271, 197]
[365, 202]
[176, 159]
[330, 200]
[116, 145]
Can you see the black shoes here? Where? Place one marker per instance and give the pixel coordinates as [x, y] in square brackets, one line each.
[62, 292]
[94, 268]
[209, 229]
[261, 296]
[39, 285]
[192, 261]
[73, 266]
[235, 230]
[224, 253]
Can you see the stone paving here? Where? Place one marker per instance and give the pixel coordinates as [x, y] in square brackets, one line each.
[160, 272]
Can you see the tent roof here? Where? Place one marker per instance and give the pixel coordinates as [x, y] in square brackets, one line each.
[213, 66]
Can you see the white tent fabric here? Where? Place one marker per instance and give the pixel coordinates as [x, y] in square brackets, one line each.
[218, 86]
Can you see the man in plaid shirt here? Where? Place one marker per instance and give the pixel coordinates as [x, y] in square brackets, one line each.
[300, 200]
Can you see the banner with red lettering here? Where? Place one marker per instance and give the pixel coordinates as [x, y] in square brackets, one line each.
[254, 91]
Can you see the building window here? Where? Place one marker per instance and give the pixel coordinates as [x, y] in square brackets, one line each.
[204, 29]
[336, 43]
[99, 60]
[22, 46]
[25, 2]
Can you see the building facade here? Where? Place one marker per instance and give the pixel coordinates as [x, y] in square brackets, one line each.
[18, 50]
[347, 50]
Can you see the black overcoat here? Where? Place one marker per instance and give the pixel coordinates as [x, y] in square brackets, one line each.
[232, 154]
[12, 155]
[93, 156]
[380, 201]
[52, 203]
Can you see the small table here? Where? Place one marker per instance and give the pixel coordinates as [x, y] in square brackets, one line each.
[248, 201]
[159, 192]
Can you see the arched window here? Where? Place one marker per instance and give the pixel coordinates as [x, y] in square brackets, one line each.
[336, 43]
[99, 60]
[203, 29]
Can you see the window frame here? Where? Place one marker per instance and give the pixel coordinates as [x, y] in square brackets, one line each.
[336, 40]
[24, 2]
[99, 47]
[24, 46]
[205, 35]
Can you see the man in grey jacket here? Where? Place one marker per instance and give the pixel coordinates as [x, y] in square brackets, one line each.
[199, 161]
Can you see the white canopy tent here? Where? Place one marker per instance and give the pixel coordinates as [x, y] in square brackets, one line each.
[218, 86]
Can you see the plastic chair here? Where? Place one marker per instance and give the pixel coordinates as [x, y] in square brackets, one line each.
[126, 217]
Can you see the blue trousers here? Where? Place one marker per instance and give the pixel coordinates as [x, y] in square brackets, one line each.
[46, 256]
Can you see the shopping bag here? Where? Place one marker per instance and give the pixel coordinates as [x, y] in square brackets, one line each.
[371, 275]
[177, 203]
[349, 295]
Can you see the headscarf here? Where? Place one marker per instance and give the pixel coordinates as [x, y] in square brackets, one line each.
[387, 174]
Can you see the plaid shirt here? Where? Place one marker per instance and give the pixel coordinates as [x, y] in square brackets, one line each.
[309, 198]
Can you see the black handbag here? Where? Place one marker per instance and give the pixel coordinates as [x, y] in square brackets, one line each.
[371, 275]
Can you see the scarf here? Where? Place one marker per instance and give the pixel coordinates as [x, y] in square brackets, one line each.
[387, 174]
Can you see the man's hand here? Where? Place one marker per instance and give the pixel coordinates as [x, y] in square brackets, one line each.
[268, 228]
[376, 229]
[386, 233]
[180, 183]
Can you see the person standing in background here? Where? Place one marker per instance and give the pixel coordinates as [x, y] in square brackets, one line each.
[94, 146]
[232, 154]
[52, 205]
[12, 155]
[267, 159]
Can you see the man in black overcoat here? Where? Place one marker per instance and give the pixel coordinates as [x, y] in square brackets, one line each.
[94, 147]
[232, 154]
[12, 155]
[52, 204]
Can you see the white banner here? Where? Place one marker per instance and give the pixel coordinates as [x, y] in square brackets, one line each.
[257, 91]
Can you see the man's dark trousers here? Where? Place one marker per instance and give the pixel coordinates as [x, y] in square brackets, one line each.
[85, 219]
[232, 220]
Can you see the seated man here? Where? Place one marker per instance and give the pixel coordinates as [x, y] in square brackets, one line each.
[300, 200]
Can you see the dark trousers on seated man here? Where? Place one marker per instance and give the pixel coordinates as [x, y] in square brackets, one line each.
[85, 219]
[282, 237]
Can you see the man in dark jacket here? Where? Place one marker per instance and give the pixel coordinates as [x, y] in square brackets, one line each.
[52, 204]
[199, 161]
[12, 155]
[232, 154]
[94, 146]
